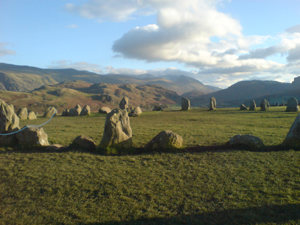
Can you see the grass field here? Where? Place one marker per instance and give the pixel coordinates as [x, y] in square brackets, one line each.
[204, 183]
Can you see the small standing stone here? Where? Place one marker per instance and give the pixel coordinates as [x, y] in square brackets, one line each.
[213, 103]
[246, 141]
[264, 105]
[136, 112]
[243, 107]
[185, 104]
[49, 112]
[8, 119]
[22, 113]
[124, 103]
[104, 110]
[65, 112]
[86, 110]
[252, 105]
[31, 115]
[292, 105]
[84, 142]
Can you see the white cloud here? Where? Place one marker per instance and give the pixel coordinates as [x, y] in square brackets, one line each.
[4, 51]
[66, 64]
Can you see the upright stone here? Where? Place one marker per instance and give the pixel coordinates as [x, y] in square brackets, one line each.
[124, 103]
[65, 112]
[264, 105]
[117, 130]
[31, 115]
[292, 105]
[213, 103]
[50, 112]
[9, 121]
[86, 110]
[136, 112]
[292, 139]
[104, 110]
[73, 112]
[78, 108]
[243, 107]
[185, 104]
[252, 105]
[22, 113]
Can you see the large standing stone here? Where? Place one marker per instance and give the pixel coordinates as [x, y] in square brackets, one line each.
[246, 141]
[78, 108]
[32, 115]
[49, 112]
[86, 110]
[292, 105]
[65, 112]
[124, 103]
[292, 139]
[84, 142]
[8, 119]
[264, 105]
[22, 113]
[104, 110]
[213, 103]
[243, 107]
[164, 140]
[252, 105]
[185, 104]
[136, 112]
[33, 136]
[117, 130]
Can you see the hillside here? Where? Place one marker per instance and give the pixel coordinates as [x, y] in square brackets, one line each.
[69, 93]
[243, 91]
[26, 78]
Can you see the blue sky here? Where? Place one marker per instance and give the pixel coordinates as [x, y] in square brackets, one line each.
[217, 42]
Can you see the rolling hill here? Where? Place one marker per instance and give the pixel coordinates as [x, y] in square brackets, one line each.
[69, 93]
[26, 78]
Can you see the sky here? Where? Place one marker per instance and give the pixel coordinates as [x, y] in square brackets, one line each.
[218, 42]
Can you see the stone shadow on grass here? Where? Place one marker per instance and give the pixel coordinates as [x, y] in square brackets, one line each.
[252, 215]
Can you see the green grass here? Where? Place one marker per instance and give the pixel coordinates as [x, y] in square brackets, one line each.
[203, 184]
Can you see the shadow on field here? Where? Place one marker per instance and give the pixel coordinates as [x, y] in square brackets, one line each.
[264, 214]
[138, 151]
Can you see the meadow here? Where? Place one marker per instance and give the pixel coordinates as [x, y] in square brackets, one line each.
[205, 182]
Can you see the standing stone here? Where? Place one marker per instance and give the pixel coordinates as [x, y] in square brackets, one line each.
[33, 136]
[104, 110]
[158, 108]
[22, 113]
[185, 104]
[117, 130]
[292, 105]
[73, 112]
[31, 115]
[264, 105]
[78, 108]
[252, 105]
[164, 140]
[243, 107]
[65, 112]
[213, 103]
[86, 110]
[136, 112]
[9, 121]
[292, 139]
[124, 103]
[50, 112]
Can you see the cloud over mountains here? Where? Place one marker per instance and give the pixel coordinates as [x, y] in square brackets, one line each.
[197, 34]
